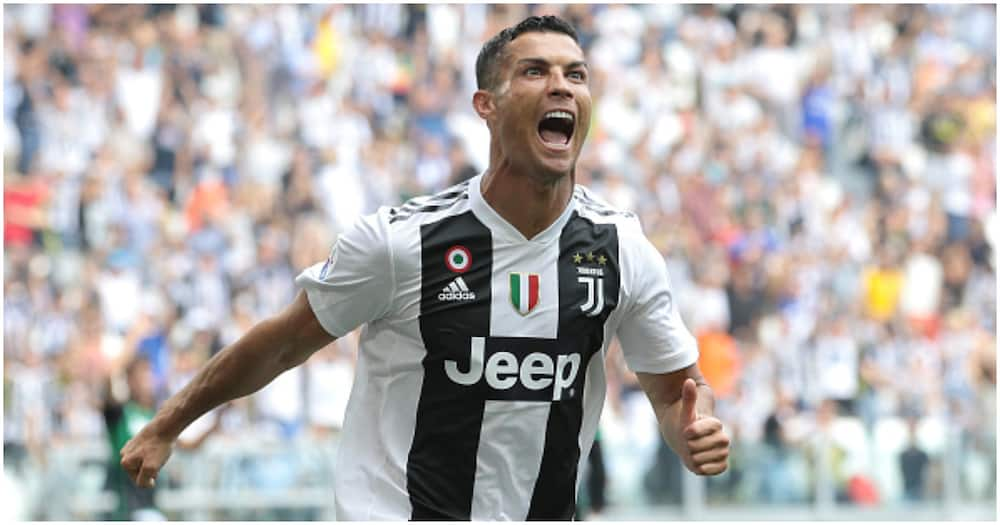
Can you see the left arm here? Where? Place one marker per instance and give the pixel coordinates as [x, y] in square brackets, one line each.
[685, 408]
[653, 339]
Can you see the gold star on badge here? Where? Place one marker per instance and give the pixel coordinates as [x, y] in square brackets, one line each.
[590, 257]
[577, 258]
[602, 260]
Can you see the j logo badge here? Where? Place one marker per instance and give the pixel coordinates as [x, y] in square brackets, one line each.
[593, 278]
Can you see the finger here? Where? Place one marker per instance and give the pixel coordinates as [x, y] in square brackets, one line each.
[133, 475]
[147, 477]
[711, 469]
[689, 397]
[132, 466]
[129, 462]
[705, 426]
[710, 456]
[717, 440]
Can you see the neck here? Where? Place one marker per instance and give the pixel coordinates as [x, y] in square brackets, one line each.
[529, 202]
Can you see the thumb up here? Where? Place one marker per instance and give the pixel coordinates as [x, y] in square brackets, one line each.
[689, 398]
[705, 440]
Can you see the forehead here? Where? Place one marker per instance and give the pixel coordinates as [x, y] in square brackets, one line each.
[557, 48]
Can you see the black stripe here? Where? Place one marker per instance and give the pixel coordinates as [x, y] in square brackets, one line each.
[448, 196]
[604, 212]
[554, 496]
[441, 467]
[440, 198]
[599, 208]
[406, 214]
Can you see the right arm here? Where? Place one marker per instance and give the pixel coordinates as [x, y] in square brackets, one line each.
[354, 286]
[244, 367]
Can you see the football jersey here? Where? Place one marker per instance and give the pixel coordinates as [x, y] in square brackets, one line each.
[480, 375]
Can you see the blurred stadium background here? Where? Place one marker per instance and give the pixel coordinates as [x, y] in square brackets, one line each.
[820, 180]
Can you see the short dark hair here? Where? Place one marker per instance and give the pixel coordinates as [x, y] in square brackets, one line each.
[492, 53]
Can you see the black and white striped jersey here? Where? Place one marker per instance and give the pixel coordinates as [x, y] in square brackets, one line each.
[480, 378]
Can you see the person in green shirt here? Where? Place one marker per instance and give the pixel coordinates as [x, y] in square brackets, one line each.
[124, 420]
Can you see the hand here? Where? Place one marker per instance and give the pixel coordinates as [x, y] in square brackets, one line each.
[705, 441]
[144, 455]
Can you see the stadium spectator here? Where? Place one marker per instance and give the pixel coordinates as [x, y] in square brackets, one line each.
[124, 416]
[913, 463]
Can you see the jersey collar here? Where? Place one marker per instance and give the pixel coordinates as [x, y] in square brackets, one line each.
[505, 230]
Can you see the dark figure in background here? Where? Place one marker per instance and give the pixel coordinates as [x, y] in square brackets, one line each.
[123, 421]
[597, 480]
[662, 482]
[779, 484]
[913, 462]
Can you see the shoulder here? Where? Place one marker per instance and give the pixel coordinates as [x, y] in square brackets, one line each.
[637, 252]
[427, 207]
[402, 224]
[593, 207]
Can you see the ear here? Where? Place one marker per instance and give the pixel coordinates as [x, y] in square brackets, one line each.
[484, 103]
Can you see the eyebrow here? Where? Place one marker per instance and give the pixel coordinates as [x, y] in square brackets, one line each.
[542, 61]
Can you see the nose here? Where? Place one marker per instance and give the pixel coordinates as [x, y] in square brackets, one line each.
[559, 86]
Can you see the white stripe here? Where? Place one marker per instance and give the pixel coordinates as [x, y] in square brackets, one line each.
[519, 434]
[505, 317]
[453, 287]
[510, 431]
[524, 293]
[461, 284]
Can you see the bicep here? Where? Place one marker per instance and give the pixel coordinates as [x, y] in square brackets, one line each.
[301, 326]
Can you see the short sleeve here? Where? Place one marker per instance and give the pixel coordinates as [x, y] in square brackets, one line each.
[355, 284]
[652, 335]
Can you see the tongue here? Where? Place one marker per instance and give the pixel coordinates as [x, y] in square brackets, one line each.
[554, 137]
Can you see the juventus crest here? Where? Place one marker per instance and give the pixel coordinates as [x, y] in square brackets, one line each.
[593, 278]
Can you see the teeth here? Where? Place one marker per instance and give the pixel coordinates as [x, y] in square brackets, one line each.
[558, 114]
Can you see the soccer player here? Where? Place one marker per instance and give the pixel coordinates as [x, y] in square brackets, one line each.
[487, 309]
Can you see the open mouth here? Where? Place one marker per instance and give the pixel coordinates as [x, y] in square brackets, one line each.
[556, 128]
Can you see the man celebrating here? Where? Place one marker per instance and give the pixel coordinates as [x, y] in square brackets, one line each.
[487, 310]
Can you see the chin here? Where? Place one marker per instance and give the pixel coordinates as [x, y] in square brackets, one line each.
[548, 171]
[558, 167]
[556, 171]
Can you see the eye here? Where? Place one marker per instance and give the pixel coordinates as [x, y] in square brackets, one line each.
[533, 71]
[577, 75]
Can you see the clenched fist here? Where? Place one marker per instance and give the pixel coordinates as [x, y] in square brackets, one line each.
[705, 443]
[144, 455]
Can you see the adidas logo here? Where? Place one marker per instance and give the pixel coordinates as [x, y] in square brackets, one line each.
[457, 291]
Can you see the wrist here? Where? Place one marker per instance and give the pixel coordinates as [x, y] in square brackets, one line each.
[162, 429]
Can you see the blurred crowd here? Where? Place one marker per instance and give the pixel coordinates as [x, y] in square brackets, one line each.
[820, 180]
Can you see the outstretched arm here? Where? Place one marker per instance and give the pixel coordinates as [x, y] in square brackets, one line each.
[685, 407]
[244, 367]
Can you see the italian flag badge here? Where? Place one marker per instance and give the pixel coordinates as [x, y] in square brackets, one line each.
[524, 291]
